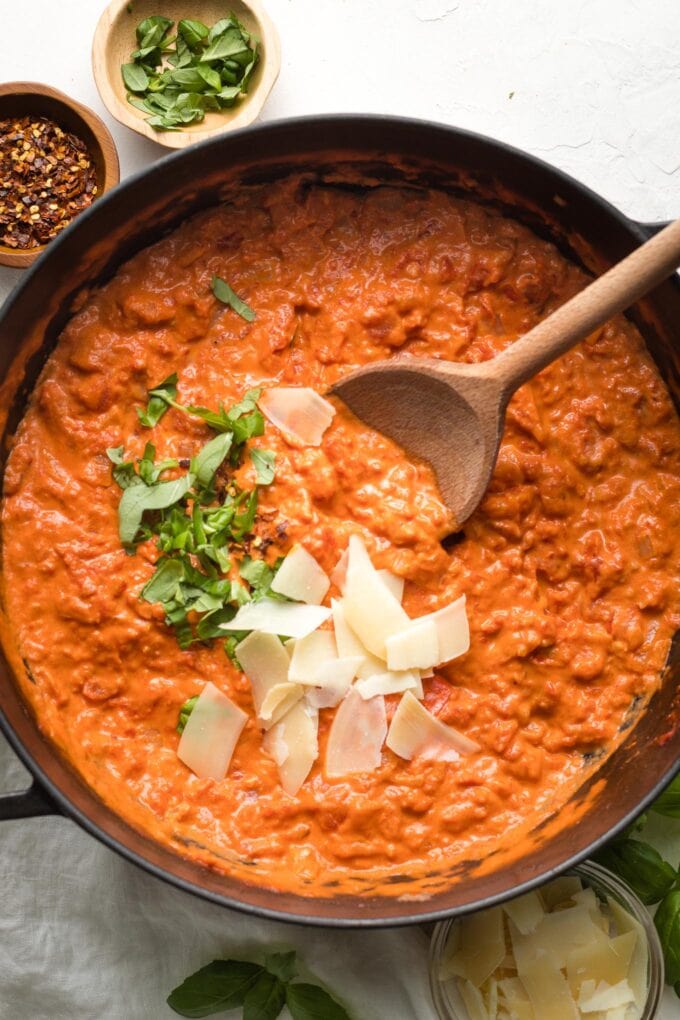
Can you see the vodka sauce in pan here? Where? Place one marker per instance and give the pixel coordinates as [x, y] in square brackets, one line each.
[569, 567]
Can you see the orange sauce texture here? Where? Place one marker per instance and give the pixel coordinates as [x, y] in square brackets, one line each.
[569, 566]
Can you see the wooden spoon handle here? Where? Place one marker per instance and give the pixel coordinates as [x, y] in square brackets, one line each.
[620, 286]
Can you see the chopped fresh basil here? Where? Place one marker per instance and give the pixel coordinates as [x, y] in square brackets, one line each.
[138, 499]
[206, 463]
[185, 711]
[196, 70]
[163, 585]
[227, 296]
[159, 401]
[264, 461]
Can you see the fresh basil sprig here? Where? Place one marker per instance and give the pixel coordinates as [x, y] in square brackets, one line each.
[641, 866]
[667, 921]
[668, 803]
[261, 990]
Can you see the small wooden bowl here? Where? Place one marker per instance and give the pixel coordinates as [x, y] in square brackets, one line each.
[114, 40]
[22, 98]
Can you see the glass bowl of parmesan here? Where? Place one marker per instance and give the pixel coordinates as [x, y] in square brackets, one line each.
[581, 947]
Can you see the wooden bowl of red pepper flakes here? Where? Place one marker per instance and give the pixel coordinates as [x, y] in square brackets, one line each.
[56, 158]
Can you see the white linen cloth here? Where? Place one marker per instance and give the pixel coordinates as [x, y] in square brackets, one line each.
[85, 935]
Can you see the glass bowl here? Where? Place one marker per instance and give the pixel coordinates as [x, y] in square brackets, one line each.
[447, 1001]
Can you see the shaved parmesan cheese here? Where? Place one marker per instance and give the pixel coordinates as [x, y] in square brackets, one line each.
[608, 961]
[301, 578]
[416, 732]
[415, 647]
[474, 1003]
[525, 911]
[264, 661]
[349, 644]
[339, 571]
[356, 736]
[603, 996]
[310, 655]
[293, 745]
[300, 413]
[211, 733]
[453, 630]
[481, 943]
[549, 992]
[637, 975]
[335, 686]
[371, 610]
[272, 617]
[394, 584]
[388, 682]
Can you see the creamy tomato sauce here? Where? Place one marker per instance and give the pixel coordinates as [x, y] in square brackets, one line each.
[569, 566]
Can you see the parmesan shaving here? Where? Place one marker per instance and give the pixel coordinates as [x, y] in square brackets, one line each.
[394, 584]
[453, 630]
[356, 736]
[301, 578]
[415, 647]
[373, 613]
[293, 745]
[211, 734]
[388, 682]
[415, 732]
[299, 412]
[349, 645]
[573, 958]
[271, 617]
[310, 655]
[264, 661]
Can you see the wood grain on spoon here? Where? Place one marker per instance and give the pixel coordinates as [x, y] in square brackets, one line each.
[452, 414]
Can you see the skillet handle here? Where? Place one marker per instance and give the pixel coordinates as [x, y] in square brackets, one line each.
[30, 803]
[651, 229]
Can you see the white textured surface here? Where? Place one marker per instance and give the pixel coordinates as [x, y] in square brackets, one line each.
[592, 86]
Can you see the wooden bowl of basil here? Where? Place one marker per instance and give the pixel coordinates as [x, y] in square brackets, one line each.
[179, 72]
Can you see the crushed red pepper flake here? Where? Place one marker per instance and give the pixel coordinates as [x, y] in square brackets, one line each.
[47, 176]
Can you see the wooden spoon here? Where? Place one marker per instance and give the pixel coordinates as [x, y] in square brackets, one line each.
[452, 414]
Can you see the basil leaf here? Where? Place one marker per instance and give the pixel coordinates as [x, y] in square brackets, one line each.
[282, 965]
[156, 23]
[641, 866]
[226, 295]
[163, 584]
[257, 573]
[249, 69]
[220, 27]
[242, 523]
[158, 404]
[134, 77]
[137, 499]
[206, 463]
[266, 998]
[228, 95]
[221, 985]
[229, 44]
[192, 32]
[667, 921]
[264, 461]
[309, 1002]
[210, 76]
[185, 711]
[123, 471]
[668, 803]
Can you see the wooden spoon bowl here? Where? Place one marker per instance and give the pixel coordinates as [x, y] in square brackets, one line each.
[30, 98]
[114, 40]
[452, 414]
